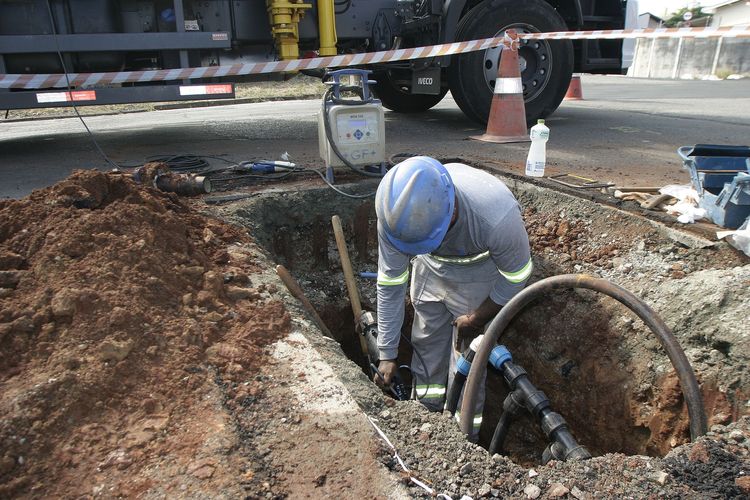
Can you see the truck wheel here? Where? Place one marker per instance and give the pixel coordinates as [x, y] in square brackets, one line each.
[546, 67]
[396, 97]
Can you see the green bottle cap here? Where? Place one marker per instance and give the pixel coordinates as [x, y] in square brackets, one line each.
[540, 122]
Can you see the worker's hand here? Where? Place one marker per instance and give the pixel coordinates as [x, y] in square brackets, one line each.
[466, 331]
[387, 369]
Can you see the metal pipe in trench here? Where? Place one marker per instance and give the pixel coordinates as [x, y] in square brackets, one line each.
[688, 383]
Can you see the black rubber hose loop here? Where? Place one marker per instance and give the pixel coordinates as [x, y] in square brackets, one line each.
[685, 374]
[501, 431]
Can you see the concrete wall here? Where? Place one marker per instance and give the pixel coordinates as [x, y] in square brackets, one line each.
[735, 56]
[689, 58]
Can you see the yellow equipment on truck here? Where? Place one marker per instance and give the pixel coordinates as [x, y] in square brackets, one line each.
[157, 39]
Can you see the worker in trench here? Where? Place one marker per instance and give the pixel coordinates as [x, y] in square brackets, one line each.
[462, 230]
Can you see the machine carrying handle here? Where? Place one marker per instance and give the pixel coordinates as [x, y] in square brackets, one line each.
[685, 152]
[720, 150]
[364, 81]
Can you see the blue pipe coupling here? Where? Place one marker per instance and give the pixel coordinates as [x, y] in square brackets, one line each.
[463, 366]
[499, 356]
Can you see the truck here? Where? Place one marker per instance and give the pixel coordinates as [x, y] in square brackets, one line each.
[43, 37]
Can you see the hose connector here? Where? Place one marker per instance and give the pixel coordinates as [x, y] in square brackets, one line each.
[463, 365]
[513, 403]
[552, 422]
[499, 356]
[476, 342]
[512, 373]
[536, 401]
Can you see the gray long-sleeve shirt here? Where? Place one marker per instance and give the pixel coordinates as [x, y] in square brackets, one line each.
[488, 237]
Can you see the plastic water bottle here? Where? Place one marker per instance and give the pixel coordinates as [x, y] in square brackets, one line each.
[537, 154]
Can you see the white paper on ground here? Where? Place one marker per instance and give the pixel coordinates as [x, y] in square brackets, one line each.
[739, 238]
[686, 209]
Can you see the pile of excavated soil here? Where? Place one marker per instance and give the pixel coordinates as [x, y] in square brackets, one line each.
[590, 240]
[127, 321]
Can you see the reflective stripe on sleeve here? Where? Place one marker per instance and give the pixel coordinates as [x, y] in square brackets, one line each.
[430, 391]
[471, 259]
[384, 280]
[519, 276]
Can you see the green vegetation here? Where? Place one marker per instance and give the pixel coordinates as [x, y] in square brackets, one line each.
[676, 20]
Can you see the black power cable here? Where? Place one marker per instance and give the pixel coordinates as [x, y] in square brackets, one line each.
[185, 163]
[70, 89]
[342, 193]
[291, 171]
[421, 362]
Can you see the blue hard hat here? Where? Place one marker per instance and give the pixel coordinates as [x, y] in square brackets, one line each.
[414, 203]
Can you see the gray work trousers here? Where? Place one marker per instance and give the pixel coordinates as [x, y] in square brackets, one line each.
[438, 301]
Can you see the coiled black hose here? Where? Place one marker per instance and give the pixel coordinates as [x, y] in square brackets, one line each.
[688, 383]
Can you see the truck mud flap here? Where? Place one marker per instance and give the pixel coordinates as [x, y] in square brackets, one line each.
[426, 81]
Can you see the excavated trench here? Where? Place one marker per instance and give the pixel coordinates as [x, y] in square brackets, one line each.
[601, 368]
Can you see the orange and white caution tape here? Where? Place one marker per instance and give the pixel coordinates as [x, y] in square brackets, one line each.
[739, 31]
[84, 80]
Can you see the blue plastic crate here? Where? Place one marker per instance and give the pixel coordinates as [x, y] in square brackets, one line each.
[721, 176]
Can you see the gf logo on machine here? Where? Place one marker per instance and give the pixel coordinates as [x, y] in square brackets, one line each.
[359, 154]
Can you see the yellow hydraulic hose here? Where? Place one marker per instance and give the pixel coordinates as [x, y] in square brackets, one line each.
[284, 17]
[327, 27]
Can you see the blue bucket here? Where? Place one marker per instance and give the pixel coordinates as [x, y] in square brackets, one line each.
[721, 176]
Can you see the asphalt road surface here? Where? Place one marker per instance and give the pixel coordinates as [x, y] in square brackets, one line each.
[626, 131]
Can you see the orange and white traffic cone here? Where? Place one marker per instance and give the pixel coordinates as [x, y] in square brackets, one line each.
[575, 92]
[507, 121]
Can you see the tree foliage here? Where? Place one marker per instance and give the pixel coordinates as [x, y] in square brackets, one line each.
[675, 19]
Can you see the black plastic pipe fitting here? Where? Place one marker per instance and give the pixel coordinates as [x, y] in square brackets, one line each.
[525, 394]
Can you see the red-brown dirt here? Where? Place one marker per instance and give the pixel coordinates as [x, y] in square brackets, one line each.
[120, 309]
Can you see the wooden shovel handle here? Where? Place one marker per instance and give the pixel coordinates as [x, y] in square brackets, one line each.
[351, 284]
[297, 292]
